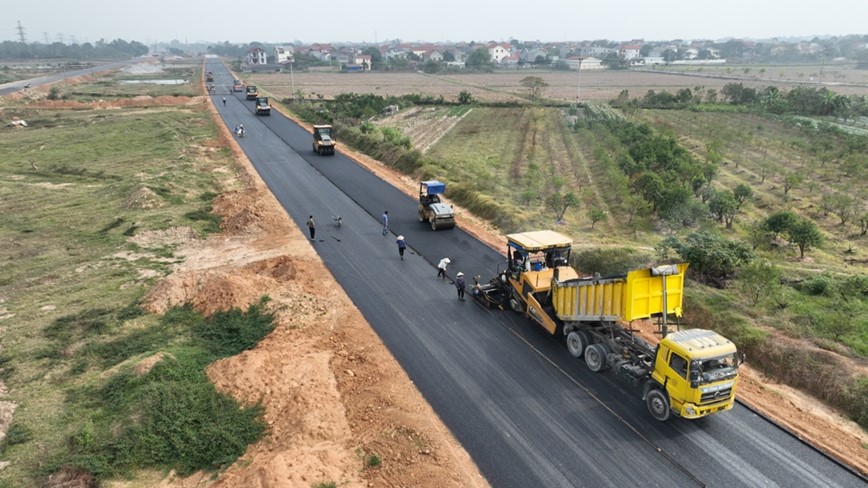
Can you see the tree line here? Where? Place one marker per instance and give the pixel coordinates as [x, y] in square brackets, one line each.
[101, 49]
[802, 100]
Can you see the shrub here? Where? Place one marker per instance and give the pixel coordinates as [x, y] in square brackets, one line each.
[818, 285]
[372, 461]
[713, 259]
[610, 261]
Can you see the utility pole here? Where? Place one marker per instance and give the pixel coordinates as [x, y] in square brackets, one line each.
[21, 36]
[579, 84]
[291, 78]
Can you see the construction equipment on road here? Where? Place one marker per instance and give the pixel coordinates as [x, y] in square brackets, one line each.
[690, 373]
[237, 85]
[262, 106]
[324, 140]
[209, 77]
[252, 92]
[431, 209]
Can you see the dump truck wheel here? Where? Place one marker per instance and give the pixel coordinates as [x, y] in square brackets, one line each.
[658, 404]
[595, 357]
[577, 342]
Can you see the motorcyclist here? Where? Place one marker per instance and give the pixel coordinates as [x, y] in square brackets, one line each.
[240, 130]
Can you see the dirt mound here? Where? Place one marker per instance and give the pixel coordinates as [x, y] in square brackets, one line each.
[143, 197]
[213, 290]
[243, 213]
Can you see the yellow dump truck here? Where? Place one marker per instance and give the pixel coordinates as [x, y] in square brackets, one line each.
[690, 373]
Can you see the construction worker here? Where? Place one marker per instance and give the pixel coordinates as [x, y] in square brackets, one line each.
[459, 284]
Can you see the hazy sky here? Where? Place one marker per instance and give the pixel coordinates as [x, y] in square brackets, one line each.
[436, 20]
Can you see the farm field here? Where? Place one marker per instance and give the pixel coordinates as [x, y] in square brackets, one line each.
[761, 152]
[594, 85]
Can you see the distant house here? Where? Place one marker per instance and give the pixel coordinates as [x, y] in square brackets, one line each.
[432, 55]
[498, 52]
[257, 55]
[630, 51]
[283, 54]
[363, 60]
[397, 53]
[511, 60]
[530, 55]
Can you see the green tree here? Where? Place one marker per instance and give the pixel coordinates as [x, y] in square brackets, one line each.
[534, 84]
[479, 59]
[759, 279]
[791, 181]
[842, 205]
[465, 98]
[713, 259]
[779, 223]
[805, 234]
[724, 206]
[742, 193]
[650, 186]
[757, 234]
[376, 57]
[596, 215]
[855, 165]
[560, 203]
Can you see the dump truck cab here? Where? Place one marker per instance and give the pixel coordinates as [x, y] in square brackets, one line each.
[431, 209]
[252, 92]
[262, 106]
[695, 374]
[324, 140]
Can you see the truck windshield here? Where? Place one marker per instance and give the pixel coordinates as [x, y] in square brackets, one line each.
[714, 369]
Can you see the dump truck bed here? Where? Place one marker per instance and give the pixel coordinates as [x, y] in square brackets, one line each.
[638, 295]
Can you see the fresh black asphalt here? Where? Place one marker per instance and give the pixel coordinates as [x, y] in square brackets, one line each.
[528, 413]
